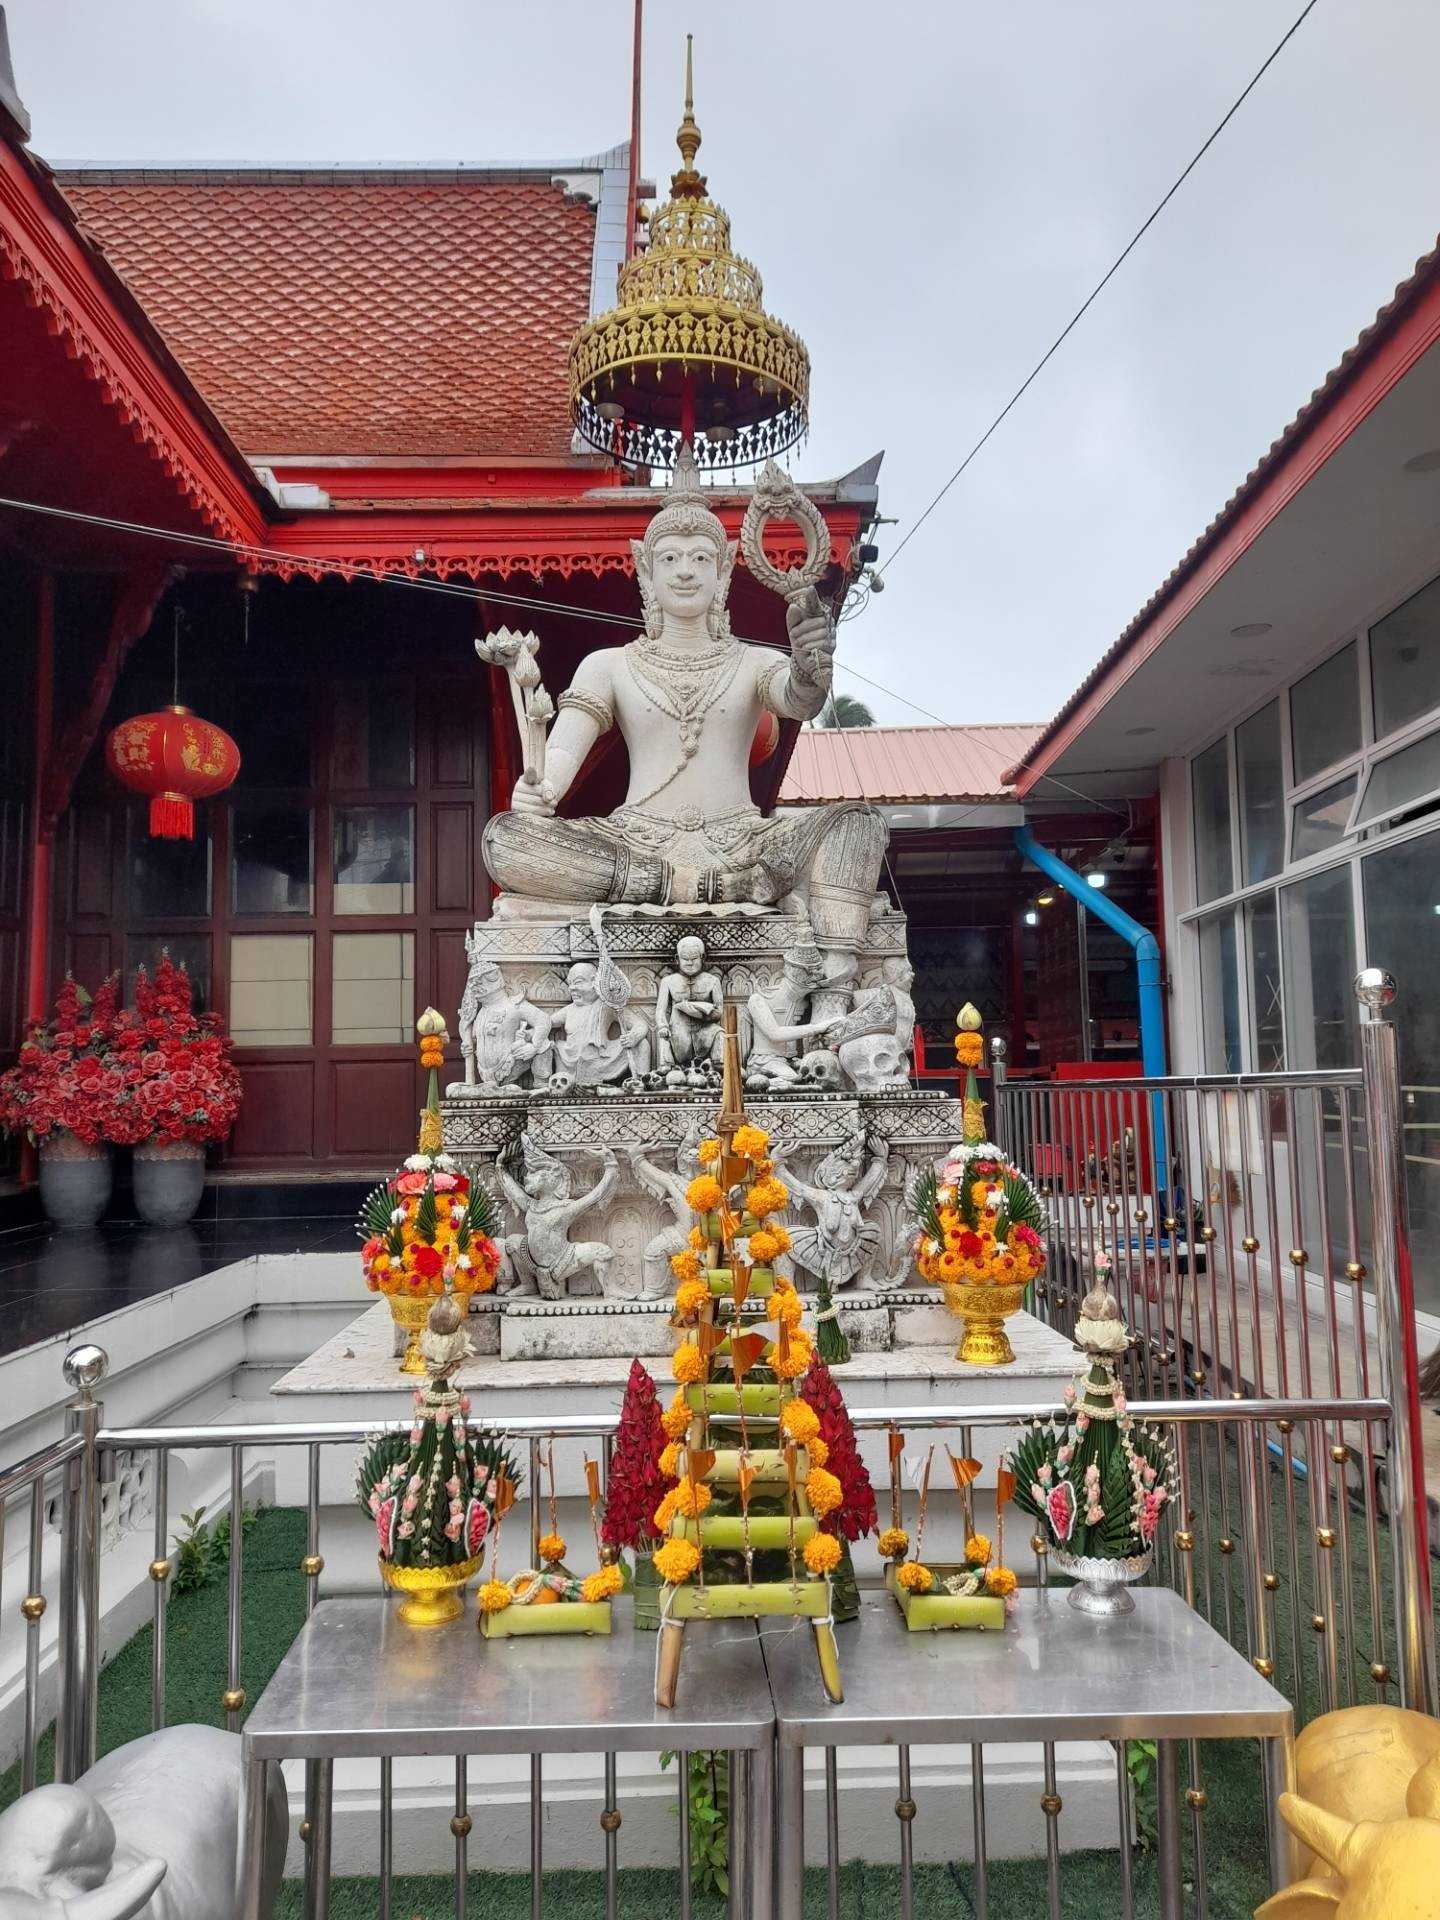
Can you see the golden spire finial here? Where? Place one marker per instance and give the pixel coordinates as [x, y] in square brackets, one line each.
[687, 134]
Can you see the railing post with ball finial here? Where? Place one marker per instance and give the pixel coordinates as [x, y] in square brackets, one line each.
[79, 1650]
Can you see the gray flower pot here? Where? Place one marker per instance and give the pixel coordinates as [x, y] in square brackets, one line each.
[75, 1182]
[168, 1181]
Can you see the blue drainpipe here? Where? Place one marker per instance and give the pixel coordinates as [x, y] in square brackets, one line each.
[1144, 945]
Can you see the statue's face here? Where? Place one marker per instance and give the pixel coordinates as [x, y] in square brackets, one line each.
[492, 984]
[685, 574]
[691, 957]
[581, 982]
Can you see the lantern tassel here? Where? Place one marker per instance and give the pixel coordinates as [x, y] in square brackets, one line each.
[172, 817]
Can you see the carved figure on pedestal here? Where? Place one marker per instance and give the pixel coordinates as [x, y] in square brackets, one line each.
[596, 1039]
[500, 1033]
[541, 1258]
[777, 1020]
[687, 697]
[873, 1042]
[842, 1244]
[668, 1188]
[687, 1013]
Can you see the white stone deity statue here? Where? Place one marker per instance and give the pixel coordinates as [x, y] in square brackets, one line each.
[777, 1021]
[542, 1258]
[873, 1042]
[687, 697]
[688, 1012]
[597, 1038]
[669, 1190]
[501, 1033]
[842, 1244]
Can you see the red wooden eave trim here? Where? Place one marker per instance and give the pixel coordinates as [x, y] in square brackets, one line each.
[89, 308]
[1376, 369]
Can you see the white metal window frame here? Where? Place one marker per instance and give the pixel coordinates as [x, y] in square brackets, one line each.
[1355, 844]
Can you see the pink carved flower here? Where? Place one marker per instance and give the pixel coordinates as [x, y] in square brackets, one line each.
[385, 1526]
[1060, 1507]
[477, 1525]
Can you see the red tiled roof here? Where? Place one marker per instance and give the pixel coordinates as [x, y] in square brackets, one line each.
[359, 315]
[1349, 365]
[904, 764]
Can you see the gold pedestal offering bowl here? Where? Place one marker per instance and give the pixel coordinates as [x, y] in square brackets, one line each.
[433, 1594]
[409, 1312]
[984, 1310]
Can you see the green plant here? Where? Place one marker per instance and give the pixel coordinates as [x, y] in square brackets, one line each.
[202, 1550]
[707, 1799]
[1140, 1765]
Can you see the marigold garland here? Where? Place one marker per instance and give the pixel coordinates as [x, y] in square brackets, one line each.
[914, 1578]
[602, 1585]
[822, 1553]
[676, 1561]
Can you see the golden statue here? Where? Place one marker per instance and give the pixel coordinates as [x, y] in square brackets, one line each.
[1368, 1811]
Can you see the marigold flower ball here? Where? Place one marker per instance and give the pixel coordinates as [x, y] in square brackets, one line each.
[914, 1578]
[687, 1363]
[691, 1297]
[602, 1585]
[1000, 1581]
[822, 1553]
[670, 1460]
[977, 1550]
[692, 1497]
[786, 1307]
[764, 1246]
[823, 1491]
[750, 1142]
[894, 1543]
[766, 1196]
[675, 1421]
[708, 1152]
[665, 1512]
[552, 1547]
[495, 1596]
[794, 1361]
[817, 1452]
[676, 1561]
[800, 1420]
[685, 1265]
[704, 1193]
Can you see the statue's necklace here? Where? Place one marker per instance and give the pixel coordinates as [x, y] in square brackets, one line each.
[685, 686]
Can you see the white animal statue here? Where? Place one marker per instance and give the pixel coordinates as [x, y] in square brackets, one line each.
[151, 1830]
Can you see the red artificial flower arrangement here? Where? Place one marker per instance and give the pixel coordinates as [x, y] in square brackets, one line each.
[176, 1079]
[638, 1483]
[855, 1516]
[65, 1079]
[157, 1071]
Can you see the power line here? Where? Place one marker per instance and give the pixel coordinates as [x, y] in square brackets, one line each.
[1109, 274]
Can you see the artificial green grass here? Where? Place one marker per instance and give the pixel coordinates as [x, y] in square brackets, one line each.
[1234, 1825]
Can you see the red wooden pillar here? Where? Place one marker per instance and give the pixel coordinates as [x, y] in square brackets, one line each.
[42, 838]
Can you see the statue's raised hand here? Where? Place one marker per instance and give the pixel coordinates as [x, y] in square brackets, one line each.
[812, 639]
[530, 797]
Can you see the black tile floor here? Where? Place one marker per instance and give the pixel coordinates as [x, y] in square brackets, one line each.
[52, 1281]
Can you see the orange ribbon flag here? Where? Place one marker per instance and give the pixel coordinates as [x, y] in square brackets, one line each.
[1004, 1487]
[966, 1472]
[592, 1480]
[745, 1479]
[746, 1350]
[504, 1494]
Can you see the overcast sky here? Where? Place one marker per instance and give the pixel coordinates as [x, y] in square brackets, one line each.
[929, 191]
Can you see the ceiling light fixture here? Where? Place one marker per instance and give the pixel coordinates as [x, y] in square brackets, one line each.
[1032, 919]
[1044, 899]
[1100, 880]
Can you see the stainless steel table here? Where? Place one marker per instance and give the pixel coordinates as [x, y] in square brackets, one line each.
[1160, 1674]
[359, 1682]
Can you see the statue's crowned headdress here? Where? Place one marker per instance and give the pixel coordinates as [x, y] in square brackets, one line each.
[686, 514]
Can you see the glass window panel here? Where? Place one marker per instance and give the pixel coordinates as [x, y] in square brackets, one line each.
[270, 999]
[1395, 783]
[272, 727]
[1262, 927]
[1320, 820]
[1402, 926]
[168, 879]
[1219, 995]
[1319, 950]
[374, 859]
[188, 950]
[1405, 661]
[373, 989]
[271, 861]
[1262, 795]
[374, 722]
[1325, 715]
[1214, 868]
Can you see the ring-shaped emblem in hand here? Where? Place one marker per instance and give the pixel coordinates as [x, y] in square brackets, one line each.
[776, 497]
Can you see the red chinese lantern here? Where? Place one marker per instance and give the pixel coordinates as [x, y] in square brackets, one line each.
[767, 738]
[176, 759]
